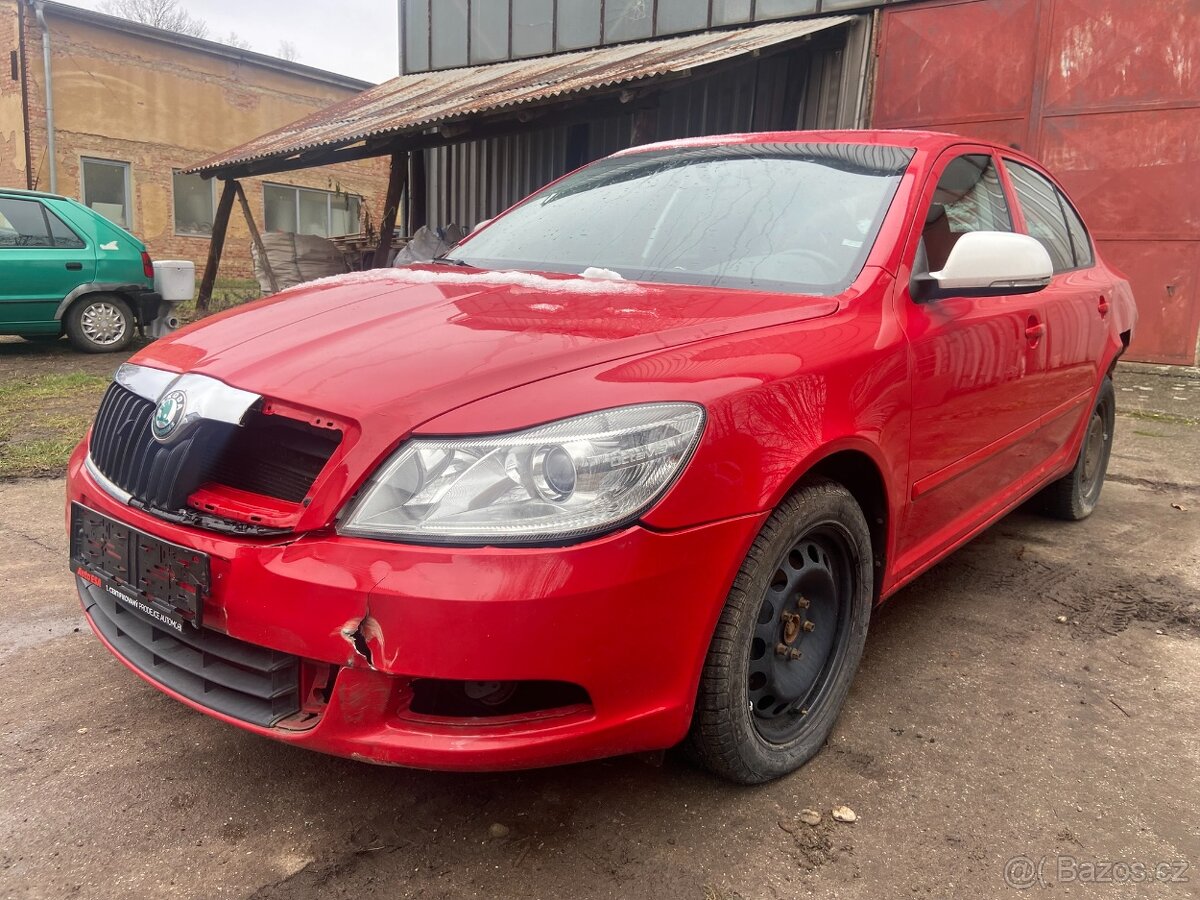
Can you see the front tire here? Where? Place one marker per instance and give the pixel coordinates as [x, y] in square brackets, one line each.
[100, 323]
[789, 640]
[1075, 495]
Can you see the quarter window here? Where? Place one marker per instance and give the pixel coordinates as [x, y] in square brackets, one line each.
[1045, 214]
[106, 189]
[27, 223]
[968, 197]
[306, 211]
[193, 204]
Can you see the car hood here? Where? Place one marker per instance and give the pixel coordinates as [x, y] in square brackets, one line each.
[397, 347]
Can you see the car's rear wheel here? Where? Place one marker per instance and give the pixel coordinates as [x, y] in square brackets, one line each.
[1075, 495]
[789, 639]
[100, 323]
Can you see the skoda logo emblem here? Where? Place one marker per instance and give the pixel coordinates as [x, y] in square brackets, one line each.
[168, 416]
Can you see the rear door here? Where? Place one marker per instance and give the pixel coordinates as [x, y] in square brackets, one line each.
[1076, 302]
[42, 259]
[977, 368]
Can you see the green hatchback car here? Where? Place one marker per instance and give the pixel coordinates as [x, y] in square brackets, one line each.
[66, 269]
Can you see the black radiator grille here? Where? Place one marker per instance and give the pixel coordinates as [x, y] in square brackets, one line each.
[269, 455]
[241, 680]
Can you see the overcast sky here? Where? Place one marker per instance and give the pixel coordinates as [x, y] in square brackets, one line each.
[350, 37]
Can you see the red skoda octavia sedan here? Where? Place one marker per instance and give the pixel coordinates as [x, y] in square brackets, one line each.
[631, 466]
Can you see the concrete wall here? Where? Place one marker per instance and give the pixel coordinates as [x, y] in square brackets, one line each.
[160, 106]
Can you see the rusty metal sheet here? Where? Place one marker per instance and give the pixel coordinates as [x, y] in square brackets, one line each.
[1122, 53]
[955, 64]
[1165, 276]
[413, 103]
[1132, 173]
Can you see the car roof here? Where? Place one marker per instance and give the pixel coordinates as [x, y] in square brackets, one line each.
[23, 193]
[929, 141]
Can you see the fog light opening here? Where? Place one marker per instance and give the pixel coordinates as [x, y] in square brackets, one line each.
[492, 699]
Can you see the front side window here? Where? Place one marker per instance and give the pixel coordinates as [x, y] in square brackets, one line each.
[968, 198]
[788, 217]
[1050, 218]
[307, 211]
[27, 223]
[194, 204]
[23, 224]
[106, 189]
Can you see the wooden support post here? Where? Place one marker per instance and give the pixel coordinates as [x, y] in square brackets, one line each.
[391, 208]
[645, 124]
[419, 193]
[217, 245]
[257, 238]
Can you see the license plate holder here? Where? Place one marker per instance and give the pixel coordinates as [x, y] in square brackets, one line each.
[162, 580]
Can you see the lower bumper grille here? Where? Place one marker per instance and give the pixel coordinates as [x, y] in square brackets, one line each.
[242, 680]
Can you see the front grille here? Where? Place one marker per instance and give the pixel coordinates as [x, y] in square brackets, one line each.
[241, 680]
[269, 455]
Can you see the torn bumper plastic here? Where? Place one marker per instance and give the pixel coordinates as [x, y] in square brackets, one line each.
[626, 618]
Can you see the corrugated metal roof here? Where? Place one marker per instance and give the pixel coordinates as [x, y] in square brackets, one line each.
[413, 103]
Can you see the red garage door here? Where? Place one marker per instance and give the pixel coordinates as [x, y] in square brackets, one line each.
[1106, 93]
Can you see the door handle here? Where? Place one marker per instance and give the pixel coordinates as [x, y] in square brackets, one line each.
[1034, 331]
[75, 267]
[1102, 306]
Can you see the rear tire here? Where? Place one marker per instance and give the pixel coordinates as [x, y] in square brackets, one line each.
[100, 323]
[789, 640]
[1075, 495]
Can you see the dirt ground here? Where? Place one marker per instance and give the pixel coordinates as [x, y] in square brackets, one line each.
[980, 729]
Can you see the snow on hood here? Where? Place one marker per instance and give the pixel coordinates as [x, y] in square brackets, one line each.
[602, 283]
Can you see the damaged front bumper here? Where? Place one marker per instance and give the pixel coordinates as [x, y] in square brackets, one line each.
[437, 657]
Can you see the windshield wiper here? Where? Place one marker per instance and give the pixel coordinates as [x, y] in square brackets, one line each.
[451, 261]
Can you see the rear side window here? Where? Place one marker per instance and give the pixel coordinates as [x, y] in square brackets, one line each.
[968, 197]
[62, 235]
[1051, 219]
[1081, 241]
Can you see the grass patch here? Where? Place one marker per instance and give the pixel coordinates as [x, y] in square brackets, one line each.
[1158, 416]
[42, 418]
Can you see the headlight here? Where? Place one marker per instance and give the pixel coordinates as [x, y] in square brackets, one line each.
[566, 480]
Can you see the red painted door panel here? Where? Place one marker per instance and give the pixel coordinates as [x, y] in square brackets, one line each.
[1106, 93]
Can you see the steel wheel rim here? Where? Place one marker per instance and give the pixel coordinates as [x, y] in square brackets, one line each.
[1093, 448]
[799, 635]
[103, 324]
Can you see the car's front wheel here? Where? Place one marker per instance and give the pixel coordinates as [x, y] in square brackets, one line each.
[789, 639]
[100, 323]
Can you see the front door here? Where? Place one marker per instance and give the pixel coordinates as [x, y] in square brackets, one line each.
[41, 261]
[977, 366]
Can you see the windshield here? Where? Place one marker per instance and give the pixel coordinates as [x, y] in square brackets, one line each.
[786, 217]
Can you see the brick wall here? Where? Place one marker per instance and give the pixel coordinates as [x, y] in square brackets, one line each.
[12, 120]
[159, 106]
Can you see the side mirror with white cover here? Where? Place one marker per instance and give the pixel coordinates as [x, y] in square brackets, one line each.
[988, 264]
